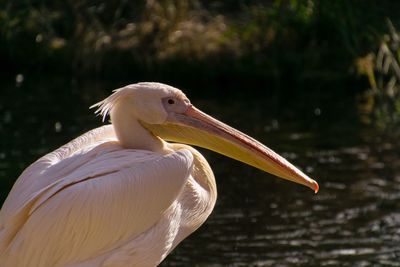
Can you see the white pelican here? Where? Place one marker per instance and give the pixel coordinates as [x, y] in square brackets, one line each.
[120, 195]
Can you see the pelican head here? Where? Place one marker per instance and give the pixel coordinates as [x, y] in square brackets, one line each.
[161, 112]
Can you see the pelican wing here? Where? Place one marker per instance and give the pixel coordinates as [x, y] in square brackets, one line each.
[90, 202]
[49, 169]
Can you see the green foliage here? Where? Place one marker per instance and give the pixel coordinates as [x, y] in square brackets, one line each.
[275, 44]
[383, 70]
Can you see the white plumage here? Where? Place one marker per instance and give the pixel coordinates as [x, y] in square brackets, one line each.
[119, 195]
[107, 205]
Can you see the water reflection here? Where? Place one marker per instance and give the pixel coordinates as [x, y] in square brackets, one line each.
[353, 221]
[259, 220]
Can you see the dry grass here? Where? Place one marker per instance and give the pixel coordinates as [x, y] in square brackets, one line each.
[382, 101]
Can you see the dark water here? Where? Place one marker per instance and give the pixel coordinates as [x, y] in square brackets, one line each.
[259, 220]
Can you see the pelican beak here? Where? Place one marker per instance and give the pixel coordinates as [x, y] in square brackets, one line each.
[194, 127]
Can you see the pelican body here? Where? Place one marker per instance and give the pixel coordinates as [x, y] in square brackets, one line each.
[122, 194]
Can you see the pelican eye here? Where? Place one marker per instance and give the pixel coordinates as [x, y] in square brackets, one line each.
[171, 101]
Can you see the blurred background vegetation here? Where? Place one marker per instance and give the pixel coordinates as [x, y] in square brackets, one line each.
[316, 80]
[341, 51]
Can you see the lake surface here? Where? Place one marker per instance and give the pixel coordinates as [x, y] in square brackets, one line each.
[259, 220]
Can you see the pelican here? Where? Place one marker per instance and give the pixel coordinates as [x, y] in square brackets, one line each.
[122, 194]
